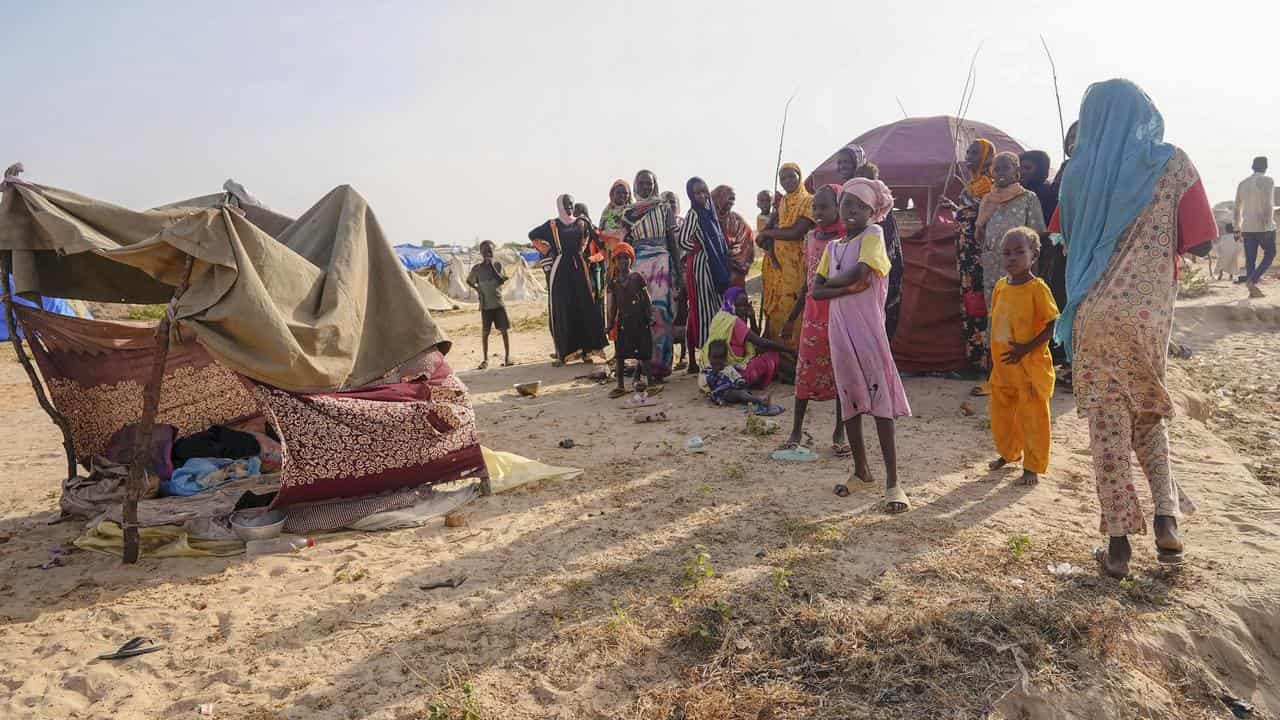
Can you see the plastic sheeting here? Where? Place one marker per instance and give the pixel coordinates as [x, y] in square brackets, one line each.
[418, 258]
[48, 304]
[524, 283]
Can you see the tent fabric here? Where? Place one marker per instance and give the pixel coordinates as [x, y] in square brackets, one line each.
[323, 306]
[921, 160]
[417, 258]
[523, 283]
[53, 305]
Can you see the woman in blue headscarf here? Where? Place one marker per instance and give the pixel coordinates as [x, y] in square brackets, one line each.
[706, 262]
[1130, 205]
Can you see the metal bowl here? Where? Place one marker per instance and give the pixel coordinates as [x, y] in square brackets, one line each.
[252, 525]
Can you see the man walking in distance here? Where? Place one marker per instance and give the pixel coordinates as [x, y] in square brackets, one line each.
[1255, 223]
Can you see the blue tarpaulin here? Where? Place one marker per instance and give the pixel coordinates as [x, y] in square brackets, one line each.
[531, 256]
[416, 258]
[53, 305]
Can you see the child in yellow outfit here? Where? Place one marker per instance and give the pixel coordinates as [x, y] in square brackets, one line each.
[1022, 318]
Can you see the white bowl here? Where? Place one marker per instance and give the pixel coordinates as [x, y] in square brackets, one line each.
[252, 525]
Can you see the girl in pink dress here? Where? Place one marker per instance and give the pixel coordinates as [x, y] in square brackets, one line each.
[853, 276]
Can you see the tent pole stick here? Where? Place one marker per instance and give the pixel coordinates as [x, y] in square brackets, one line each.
[150, 406]
[11, 319]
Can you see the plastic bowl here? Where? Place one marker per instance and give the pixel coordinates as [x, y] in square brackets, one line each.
[249, 525]
[528, 389]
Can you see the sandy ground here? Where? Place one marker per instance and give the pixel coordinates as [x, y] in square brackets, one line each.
[670, 585]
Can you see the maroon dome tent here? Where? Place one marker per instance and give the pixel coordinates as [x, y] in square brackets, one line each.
[921, 160]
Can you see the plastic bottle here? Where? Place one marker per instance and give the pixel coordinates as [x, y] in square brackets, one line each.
[278, 545]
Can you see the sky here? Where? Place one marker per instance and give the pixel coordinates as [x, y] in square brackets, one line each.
[460, 121]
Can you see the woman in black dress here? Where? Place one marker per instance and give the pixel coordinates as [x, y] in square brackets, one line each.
[576, 323]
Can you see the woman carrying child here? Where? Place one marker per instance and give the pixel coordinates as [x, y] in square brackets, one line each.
[853, 275]
[1022, 318]
[815, 379]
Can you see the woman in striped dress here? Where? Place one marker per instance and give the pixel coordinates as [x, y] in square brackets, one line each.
[706, 262]
[651, 231]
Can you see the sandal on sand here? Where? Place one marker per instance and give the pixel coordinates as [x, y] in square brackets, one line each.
[507, 363]
[896, 496]
[655, 389]
[658, 417]
[795, 453]
[483, 366]
[841, 449]
[1100, 554]
[135, 647]
[617, 392]
[982, 389]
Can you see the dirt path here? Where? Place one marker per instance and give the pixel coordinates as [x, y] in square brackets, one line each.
[669, 585]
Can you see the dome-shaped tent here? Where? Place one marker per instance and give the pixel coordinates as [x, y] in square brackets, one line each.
[921, 160]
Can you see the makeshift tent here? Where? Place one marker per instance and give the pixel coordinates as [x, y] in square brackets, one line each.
[315, 325]
[921, 160]
[57, 306]
[414, 257]
[522, 284]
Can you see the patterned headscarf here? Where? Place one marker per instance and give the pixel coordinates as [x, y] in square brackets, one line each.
[980, 180]
[612, 216]
[731, 299]
[859, 155]
[872, 192]
[654, 196]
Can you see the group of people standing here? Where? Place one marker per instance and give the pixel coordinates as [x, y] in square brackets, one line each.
[1105, 236]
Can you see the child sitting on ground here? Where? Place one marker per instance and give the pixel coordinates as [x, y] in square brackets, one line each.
[1022, 318]
[723, 382]
[487, 278]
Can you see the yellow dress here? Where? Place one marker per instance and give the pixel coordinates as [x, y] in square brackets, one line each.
[1020, 393]
[782, 285]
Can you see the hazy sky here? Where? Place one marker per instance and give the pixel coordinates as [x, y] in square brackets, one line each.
[464, 120]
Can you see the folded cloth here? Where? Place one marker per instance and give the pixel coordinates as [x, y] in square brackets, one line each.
[199, 474]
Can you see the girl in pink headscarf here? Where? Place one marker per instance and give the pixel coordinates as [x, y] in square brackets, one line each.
[853, 275]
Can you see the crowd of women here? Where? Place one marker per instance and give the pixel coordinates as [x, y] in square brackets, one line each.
[1126, 205]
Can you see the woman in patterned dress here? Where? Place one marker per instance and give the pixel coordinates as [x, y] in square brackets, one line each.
[706, 259]
[978, 158]
[651, 231]
[1131, 204]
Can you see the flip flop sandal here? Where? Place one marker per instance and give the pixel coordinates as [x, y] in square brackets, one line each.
[842, 490]
[982, 390]
[633, 402]
[796, 453]
[616, 393]
[896, 496]
[507, 364]
[841, 450]
[133, 648]
[655, 389]
[483, 366]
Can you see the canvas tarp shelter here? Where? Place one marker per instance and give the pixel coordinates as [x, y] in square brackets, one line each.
[522, 283]
[319, 329]
[921, 160]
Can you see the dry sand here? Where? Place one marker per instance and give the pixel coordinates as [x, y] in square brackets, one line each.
[588, 599]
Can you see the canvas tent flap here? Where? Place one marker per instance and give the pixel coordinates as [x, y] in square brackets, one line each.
[325, 307]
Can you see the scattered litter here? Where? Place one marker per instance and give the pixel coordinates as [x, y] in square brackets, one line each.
[455, 520]
[205, 710]
[567, 443]
[56, 555]
[451, 582]
[695, 445]
[765, 409]
[1063, 570]
[638, 400]
[4, 538]
[799, 453]
[658, 417]
[1019, 582]
[966, 409]
[528, 389]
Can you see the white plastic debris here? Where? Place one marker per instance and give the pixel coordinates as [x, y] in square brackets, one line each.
[1063, 570]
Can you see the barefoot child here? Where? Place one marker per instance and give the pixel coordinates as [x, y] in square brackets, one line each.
[853, 276]
[486, 278]
[1023, 315]
[630, 318]
[814, 377]
[724, 382]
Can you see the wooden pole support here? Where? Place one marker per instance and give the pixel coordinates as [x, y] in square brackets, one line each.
[11, 320]
[150, 406]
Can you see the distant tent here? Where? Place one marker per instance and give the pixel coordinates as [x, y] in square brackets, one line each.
[414, 257]
[523, 283]
[921, 160]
